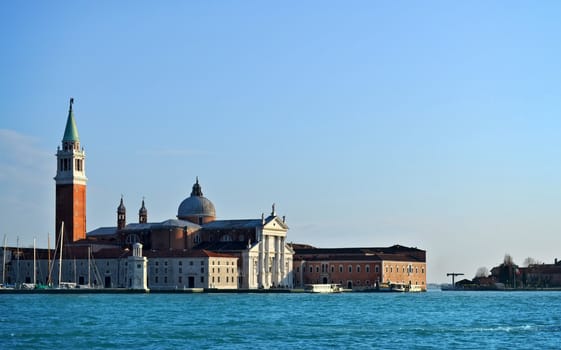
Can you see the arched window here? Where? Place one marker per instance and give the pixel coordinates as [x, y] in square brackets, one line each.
[132, 239]
[226, 238]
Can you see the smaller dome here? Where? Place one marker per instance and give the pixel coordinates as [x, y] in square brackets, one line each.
[196, 205]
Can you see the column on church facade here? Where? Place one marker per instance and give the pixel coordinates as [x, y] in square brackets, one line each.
[282, 259]
[278, 276]
[261, 263]
[267, 260]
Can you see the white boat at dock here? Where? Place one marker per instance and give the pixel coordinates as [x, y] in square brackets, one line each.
[323, 288]
[399, 287]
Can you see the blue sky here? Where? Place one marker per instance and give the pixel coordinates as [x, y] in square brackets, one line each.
[430, 124]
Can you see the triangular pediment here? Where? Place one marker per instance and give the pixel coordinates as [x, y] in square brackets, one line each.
[274, 223]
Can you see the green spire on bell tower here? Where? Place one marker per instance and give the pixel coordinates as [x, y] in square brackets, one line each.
[71, 131]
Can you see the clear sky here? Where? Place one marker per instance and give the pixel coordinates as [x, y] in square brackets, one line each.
[433, 124]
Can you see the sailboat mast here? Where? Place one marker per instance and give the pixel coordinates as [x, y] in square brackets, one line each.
[17, 257]
[49, 281]
[34, 261]
[4, 263]
[60, 259]
[89, 253]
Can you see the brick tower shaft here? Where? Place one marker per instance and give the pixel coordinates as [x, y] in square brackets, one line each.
[71, 184]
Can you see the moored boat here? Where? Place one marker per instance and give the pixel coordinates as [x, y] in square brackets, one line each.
[323, 288]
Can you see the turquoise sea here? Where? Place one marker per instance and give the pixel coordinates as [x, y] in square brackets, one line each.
[432, 320]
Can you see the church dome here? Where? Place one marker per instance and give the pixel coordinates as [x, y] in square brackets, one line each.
[196, 208]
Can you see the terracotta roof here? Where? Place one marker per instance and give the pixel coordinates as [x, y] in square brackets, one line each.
[197, 253]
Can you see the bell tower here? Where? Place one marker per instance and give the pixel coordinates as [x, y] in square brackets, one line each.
[143, 214]
[121, 215]
[71, 183]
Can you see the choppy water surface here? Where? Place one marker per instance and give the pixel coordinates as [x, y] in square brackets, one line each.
[281, 321]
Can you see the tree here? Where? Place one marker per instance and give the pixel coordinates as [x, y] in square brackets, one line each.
[530, 261]
[482, 272]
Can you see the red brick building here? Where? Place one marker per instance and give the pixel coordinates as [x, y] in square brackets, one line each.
[359, 268]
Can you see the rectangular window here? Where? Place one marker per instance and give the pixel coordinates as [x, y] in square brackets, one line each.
[317, 269]
[311, 269]
[202, 279]
[202, 270]
[332, 268]
[179, 279]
